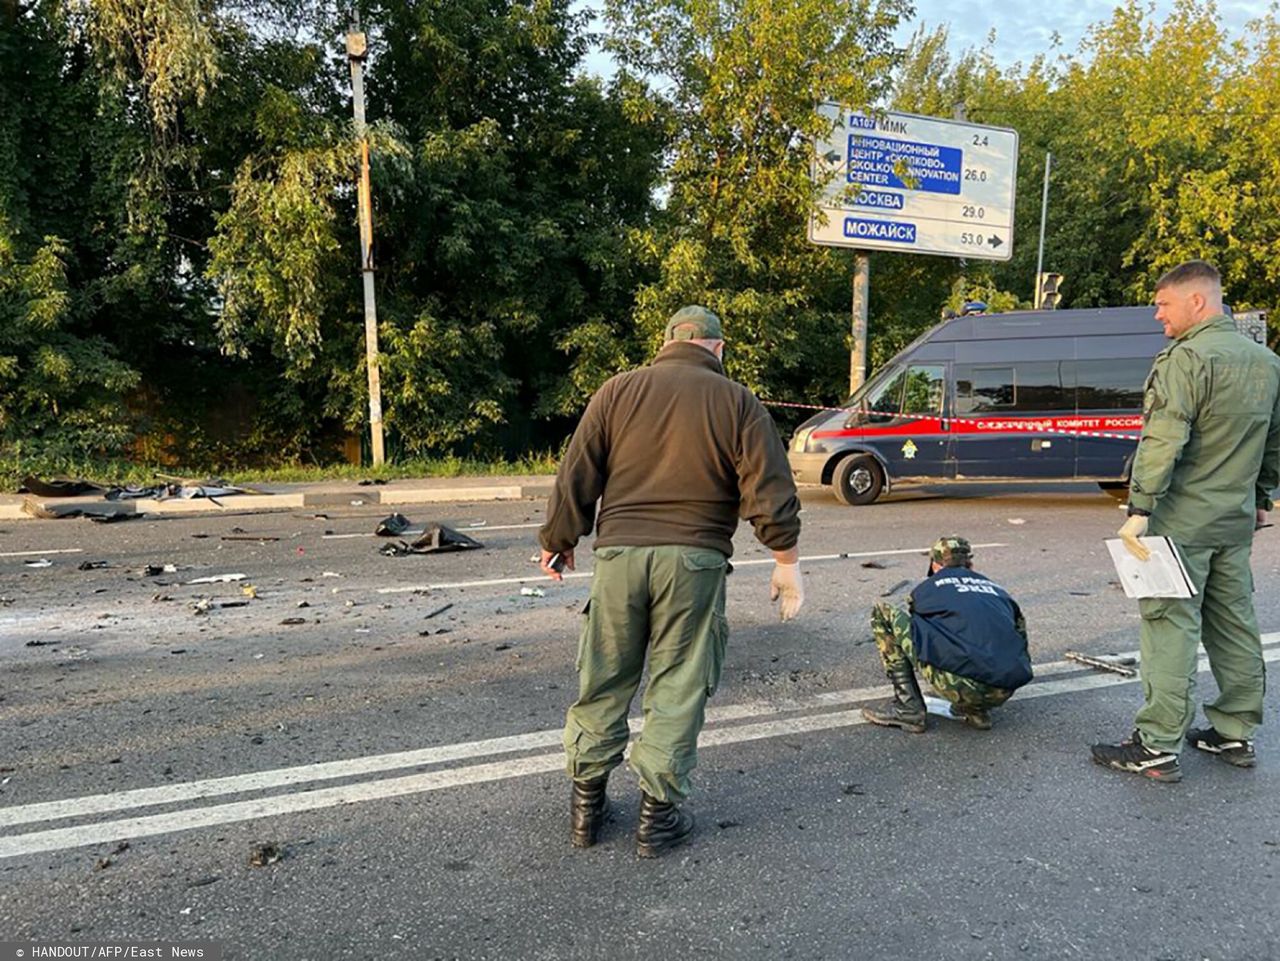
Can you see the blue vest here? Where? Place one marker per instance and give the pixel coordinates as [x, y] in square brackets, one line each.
[964, 623]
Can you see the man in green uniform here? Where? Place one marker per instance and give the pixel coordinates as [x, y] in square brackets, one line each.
[963, 631]
[1206, 465]
[675, 453]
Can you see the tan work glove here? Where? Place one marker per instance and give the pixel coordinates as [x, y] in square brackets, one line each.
[786, 584]
[1135, 527]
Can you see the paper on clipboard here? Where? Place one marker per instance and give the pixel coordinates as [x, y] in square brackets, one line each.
[1161, 575]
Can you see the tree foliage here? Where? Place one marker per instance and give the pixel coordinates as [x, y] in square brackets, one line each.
[179, 268]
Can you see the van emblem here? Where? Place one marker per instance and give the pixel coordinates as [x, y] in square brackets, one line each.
[909, 450]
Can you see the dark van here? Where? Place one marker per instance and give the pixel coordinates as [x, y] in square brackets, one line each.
[1026, 396]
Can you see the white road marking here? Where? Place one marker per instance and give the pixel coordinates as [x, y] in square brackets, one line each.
[145, 826]
[414, 533]
[66, 550]
[537, 575]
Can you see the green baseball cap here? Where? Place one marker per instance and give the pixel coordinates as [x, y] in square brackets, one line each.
[951, 551]
[692, 323]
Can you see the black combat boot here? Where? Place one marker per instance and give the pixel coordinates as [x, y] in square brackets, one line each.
[662, 826]
[588, 808]
[906, 710]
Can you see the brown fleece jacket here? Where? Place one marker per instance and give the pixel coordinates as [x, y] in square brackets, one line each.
[675, 452]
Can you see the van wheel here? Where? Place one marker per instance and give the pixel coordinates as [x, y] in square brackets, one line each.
[857, 480]
[1117, 489]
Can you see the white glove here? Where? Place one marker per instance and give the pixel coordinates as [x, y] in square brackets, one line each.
[786, 584]
[1135, 527]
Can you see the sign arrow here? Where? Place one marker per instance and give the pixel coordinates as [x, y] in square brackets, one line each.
[994, 241]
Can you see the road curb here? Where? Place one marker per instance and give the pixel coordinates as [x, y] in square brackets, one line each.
[31, 507]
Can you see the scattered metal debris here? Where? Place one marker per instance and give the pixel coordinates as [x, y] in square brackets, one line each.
[260, 538]
[1105, 662]
[438, 611]
[896, 587]
[42, 562]
[92, 565]
[154, 570]
[217, 579]
[291, 621]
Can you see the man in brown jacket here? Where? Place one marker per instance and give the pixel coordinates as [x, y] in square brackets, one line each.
[675, 453]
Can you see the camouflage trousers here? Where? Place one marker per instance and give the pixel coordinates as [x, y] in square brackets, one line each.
[891, 628]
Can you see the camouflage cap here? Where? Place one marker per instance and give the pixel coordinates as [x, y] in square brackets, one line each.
[951, 551]
[692, 323]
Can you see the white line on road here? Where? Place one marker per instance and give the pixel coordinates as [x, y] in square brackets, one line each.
[412, 533]
[65, 550]
[539, 576]
[106, 832]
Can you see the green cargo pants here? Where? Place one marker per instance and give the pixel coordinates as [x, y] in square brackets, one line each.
[891, 628]
[667, 602]
[1221, 617]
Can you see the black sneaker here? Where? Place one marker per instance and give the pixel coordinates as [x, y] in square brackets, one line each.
[1134, 756]
[1235, 751]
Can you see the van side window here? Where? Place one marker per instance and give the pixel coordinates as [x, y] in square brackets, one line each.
[1029, 385]
[926, 387]
[981, 389]
[1112, 384]
[1045, 385]
[887, 399]
[918, 389]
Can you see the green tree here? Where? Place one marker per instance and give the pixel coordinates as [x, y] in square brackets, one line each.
[736, 82]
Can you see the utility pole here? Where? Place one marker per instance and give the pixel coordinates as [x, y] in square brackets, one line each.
[1044, 215]
[861, 294]
[357, 53]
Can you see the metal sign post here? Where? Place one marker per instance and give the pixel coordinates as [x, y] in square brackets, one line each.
[861, 295]
[357, 52]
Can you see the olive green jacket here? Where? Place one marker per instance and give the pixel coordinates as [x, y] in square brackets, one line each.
[1209, 455]
[675, 452]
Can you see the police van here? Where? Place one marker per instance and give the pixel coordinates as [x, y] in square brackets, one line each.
[1025, 396]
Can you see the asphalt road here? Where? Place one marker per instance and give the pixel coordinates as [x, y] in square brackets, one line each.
[404, 757]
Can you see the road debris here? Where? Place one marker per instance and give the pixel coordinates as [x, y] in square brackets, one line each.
[873, 565]
[260, 855]
[260, 538]
[249, 591]
[217, 578]
[291, 621]
[393, 526]
[435, 539]
[1124, 666]
[59, 487]
[1016, 520]
[438, 611]
[154, 570]
[532, 592]
[896, 587]
[92, 565]
[42, 562]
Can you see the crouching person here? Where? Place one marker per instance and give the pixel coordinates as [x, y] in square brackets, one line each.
[963, 631]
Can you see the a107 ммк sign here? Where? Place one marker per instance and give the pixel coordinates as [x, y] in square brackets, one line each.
[917, 185]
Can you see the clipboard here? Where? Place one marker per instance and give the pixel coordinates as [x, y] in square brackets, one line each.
[1163, 574]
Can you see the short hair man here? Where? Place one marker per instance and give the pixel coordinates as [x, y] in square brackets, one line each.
[675, 453]
[963, 631]
[1207, 462]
